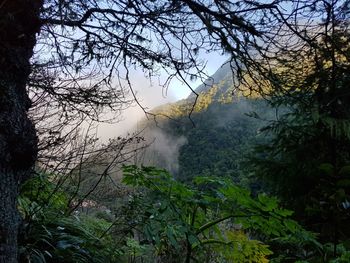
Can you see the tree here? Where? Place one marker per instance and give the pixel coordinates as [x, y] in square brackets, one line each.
[18, 140]
[102, 40]
[311, 135]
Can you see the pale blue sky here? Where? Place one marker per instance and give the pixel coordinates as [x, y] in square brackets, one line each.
[151, 95]
[214, 61]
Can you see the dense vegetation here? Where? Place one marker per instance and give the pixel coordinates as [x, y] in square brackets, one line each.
[257, 158]
[217, 209]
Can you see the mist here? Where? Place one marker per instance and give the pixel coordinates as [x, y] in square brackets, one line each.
[149, 94]
[163, 150]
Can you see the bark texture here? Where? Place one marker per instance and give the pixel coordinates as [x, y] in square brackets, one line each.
[19, 23]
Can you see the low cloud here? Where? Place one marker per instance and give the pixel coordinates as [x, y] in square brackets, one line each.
[163, 150]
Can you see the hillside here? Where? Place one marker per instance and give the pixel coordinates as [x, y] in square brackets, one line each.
[213, 139]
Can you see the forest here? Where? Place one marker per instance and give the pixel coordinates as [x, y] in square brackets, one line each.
[253, 166]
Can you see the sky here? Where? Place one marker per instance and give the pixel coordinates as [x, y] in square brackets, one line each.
[150, 94]
[214, 62]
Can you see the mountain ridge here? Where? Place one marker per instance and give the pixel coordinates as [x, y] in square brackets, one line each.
[216, 143]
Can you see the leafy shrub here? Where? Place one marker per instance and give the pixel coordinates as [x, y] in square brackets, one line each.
[213, 218]
[49, 234]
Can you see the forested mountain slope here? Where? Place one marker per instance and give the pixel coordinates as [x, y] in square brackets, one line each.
[211, 140]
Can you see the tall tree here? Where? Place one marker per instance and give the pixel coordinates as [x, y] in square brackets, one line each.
[19, 24]
[306, 162]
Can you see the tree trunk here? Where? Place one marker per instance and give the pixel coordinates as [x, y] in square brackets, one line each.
[19, 23]
[9, 219]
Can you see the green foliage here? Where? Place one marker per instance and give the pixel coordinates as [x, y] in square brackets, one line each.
[308, 169]
[213, 216]
[216, 145]
[49, 235]
[307, 158]
[39, 193]
[239, 248]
